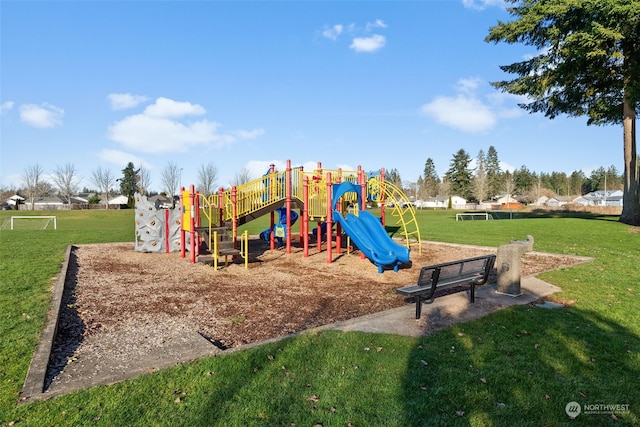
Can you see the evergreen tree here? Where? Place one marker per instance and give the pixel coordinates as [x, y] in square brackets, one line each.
[129, 183]
[393, 176]
[459, 175]
[492, 167]
[523, 180]
[480, 181]
[430, 181]
[587, 64]
[577, 181]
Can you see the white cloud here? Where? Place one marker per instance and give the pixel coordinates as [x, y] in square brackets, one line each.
[506, 104]
[257, 168]
[346, 167]
[121, 158]
[6, 106]
[248, 134]
[165, 107]
[123, 101]
[483, 4]
[332, 33]
[378, 23]
[362, 38]
[368, 44]
[41, 116]
[504, 166]
[468, 85]
[159, 130]
[465, 113]
[159, 135]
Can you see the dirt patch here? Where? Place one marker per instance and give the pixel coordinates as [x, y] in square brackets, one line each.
[123, 303]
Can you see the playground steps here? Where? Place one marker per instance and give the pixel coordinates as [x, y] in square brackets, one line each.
[225, 243]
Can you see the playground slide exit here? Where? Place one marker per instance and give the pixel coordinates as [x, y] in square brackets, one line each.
[368, 233]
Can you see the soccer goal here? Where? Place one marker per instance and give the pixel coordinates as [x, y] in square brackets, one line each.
[36, 222]
[473, 215]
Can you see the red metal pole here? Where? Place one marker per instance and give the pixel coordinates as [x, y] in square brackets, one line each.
[329, 221]
[183, 240]
[270, 196]
[221, 206]
[197, 222]
[305, 216]
[192, 224]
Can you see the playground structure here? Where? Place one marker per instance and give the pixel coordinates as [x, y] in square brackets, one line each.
[328, 197]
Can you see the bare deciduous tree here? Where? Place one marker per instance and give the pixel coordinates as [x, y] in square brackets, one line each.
[66, 181]
[241, 177]
[32, 181]
[170, 179]
[207, 175]
[507, 184]
[480, 185]
[144, 181]
[104, 180]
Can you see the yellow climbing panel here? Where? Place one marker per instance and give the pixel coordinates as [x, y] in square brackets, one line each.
[402, 210]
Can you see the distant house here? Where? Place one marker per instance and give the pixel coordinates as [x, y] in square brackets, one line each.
[557, 201]
[45, 203]
[506, 201]
[15, 200]
[119, 200]
[604, 198]
[442, 202]
[541, 201]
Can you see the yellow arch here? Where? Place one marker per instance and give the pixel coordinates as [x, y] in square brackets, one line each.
[402, 209]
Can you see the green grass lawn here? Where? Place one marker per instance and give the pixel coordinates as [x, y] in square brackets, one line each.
[519, 366]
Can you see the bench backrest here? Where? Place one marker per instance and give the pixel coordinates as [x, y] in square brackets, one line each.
[476, 269]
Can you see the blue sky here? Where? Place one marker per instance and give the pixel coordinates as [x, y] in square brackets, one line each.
[245, 84]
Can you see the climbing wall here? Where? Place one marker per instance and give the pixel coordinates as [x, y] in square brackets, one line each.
[157, 230]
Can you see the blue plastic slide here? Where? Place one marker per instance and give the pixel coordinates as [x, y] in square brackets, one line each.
[368, 233]
[282, 222]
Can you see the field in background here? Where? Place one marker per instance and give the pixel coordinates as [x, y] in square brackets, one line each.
[520, 366]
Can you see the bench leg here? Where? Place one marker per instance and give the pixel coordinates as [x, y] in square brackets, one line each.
[418, 306]
[472, 293]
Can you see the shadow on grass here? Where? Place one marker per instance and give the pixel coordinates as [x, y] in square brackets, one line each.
[519, 366]
[71, 328]
[542, 214]
[522, 366]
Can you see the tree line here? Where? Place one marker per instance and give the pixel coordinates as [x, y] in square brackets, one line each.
[482, 179]
[475, 179]
[64, 182]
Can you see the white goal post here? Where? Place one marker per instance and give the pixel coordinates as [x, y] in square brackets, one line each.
[47, 219]
[473, 215]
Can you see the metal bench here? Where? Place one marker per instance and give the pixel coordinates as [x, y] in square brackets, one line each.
[470, 271]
